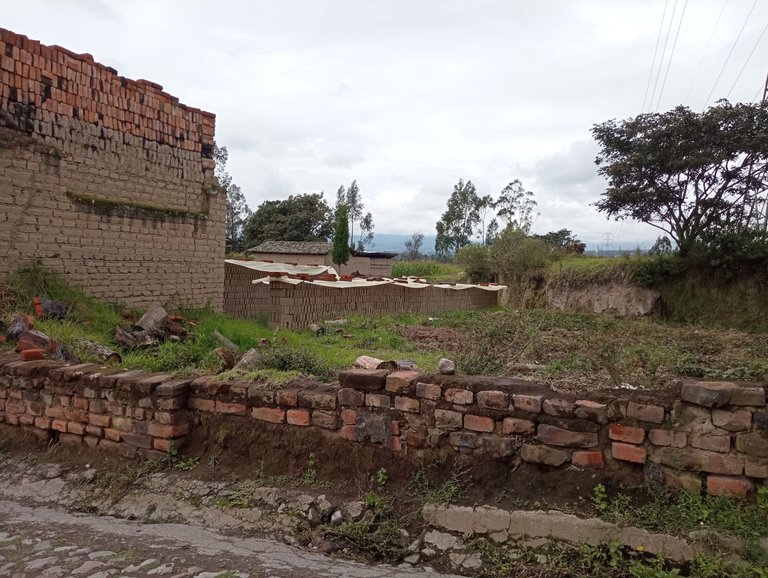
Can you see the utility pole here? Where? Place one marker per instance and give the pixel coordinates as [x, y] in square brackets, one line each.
[606, 242]
[765, 90]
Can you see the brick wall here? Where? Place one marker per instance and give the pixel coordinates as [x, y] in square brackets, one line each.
[106, 179]
[241, 297]
[711, 435]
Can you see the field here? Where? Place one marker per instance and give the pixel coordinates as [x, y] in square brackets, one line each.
[570, 351]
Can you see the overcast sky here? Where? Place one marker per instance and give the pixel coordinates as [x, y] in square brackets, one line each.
[408, 96]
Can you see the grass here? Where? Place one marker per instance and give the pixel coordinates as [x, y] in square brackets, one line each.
[432, 271]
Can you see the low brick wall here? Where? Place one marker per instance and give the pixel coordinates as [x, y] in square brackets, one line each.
[710, 434]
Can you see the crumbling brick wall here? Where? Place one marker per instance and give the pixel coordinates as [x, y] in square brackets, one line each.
[708, 434]
[108, 180]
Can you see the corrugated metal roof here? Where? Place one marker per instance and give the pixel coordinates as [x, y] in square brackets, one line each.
[292, 247]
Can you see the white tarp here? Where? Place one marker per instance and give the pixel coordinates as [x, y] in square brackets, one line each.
[413, 283]
[283, 267]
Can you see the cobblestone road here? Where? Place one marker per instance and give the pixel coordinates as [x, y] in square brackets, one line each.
[50, 543]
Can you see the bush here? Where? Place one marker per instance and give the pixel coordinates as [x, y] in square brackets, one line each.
[514, 254]
[475, 260]
[654, 271]
[730, 251]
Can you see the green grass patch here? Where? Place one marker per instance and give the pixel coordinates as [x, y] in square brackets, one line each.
[432, 271]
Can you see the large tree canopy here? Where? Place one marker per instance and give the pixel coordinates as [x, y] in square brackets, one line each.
[237, 207]
[687, 173]
[457, 224]
[304, 217]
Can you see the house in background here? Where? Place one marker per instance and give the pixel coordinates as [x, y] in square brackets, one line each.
[367, 263]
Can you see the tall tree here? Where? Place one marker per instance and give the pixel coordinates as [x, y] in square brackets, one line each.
[485, 208]
[563, 239]
[413, 247]
[237, 207]
[516, 207]
[457, 224]
[353, 200]
[686, 173]
[305, 217]
[340, 252]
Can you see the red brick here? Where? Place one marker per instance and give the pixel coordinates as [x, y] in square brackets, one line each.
[735, 421]
[348, 432]
[682, 480]
[628, 453]
[91, 441]
[297, 417]
[395, 444]
[584, 459]
[27, 419]
[272, 415]
[628, 434]
[95, 431]
[178, 416]
[394, 428]
[80, 402]
[727, 486]
[230, 408]
[591, 410]
[448, 420]
[558, 407]
[492, 399]
[32, 354]
[199, 404]
[515, 426]
[348, 416]
[287, 397]
[407, 404]
[112, 434]
[59, 425]
[349, 396]
[714, 443]
[11, 419]
[643, 412]
[168, 430]
[75, 428]
[459, 396]
[97, 406]
[428, 390]
[664, 437]
[708, 393]
[170, 403]
[528, 403]
[324, 419]
[478, 423]
[43, 422]
[401, 381]
[165, 445]
[136, 413]
[555, 436]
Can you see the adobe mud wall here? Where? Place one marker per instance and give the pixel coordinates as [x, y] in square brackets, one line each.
[711, 435]
[108, 180]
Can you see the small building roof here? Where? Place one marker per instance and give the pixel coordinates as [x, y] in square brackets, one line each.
[292, 247]
[374, 254]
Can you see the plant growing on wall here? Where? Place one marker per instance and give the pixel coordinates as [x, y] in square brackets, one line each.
[340, 253]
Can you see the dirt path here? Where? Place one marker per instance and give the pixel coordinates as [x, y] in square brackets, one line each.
[52, 543]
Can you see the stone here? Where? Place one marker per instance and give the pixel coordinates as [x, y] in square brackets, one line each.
[412, 559]
[364, 379]
[377, 400]
[753, 444]
[708, 393]
[268, 414]
[698, 460]
[711, 442]
[628, 453]
[627, 434]
[401, 381]
[349, 396]
[451, 518]
[448, 420]
[544, 455]
[591, 410]
[761, 420]
[693, 419]
[756, 467]
[728, 486]
[752, 396]
[732, 420]
[299, 417]
[441, 540]
[459, 396]
[463, 440]
[644, 412]
[558, 407]
[446, 366]
[678, 480]
[428, 390]
[492, 399]
[664, 437]
[555, 436]
[515, 426]
[528, 403]
[337, 518]
[407, 404]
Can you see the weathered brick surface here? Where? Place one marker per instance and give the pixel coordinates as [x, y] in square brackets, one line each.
[708, 393]
[628, 453]
[515, 426]
[628, 434]
[555, 436]
[727, 486]
[644, 412]
[107, 180]
[587, 459]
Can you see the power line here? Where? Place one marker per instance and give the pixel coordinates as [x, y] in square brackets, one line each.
[671, 54]
[759, 38]
[727, 58]
[706, 51]
[655, 52]
[663, 52]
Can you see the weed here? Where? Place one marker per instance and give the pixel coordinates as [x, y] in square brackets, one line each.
[181, 463]
[657, 569]
[3, 456]
[600, 498]
[381, 477]
[446, 492]
[310, 473]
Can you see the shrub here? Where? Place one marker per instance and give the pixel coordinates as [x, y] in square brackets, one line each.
[514, 254]
[475, 260]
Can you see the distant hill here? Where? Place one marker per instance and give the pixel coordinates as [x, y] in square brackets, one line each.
[396, 243]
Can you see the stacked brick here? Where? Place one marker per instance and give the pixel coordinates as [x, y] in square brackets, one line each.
[106, 179]
[296, 306]
[712, 436]
[242, 298]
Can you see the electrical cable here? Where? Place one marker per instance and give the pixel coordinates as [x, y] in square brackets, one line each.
[706, 51]
[655, 52]
[727, 58]
[671, 54]
[759, 38]
[663, 53]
